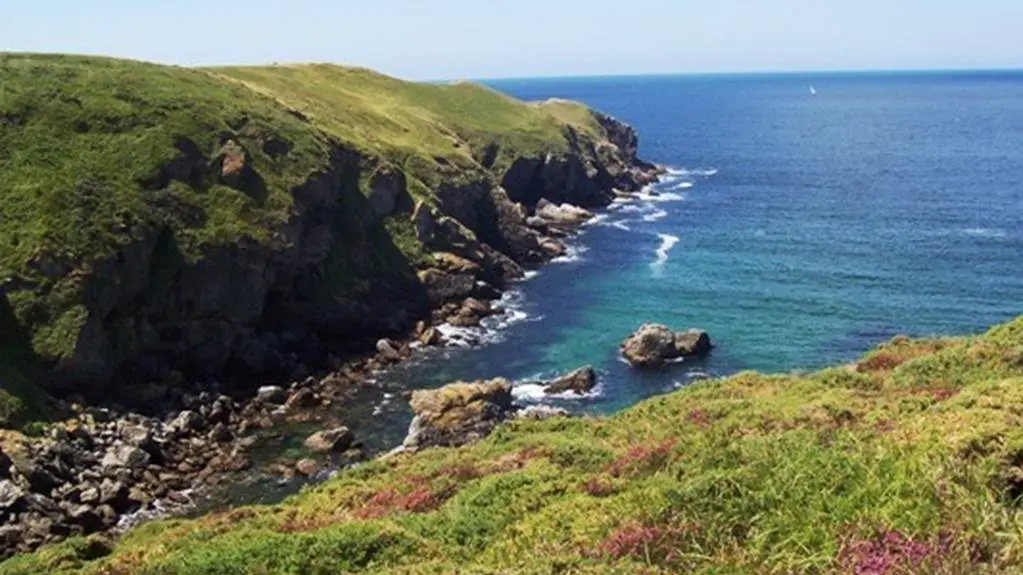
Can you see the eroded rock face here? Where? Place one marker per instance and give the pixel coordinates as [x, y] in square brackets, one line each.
[458, 413]
[653, 345]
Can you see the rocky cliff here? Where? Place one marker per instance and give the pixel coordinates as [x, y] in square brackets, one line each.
[244, 222]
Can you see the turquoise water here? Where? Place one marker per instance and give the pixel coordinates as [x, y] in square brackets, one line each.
[805, 230]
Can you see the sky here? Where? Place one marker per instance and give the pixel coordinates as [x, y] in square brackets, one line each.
[455, 39]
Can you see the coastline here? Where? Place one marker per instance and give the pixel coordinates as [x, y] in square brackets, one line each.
[216, 452]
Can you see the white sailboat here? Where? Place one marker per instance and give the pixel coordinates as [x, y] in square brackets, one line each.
[813, 91]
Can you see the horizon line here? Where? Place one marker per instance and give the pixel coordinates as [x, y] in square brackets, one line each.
[746, 73]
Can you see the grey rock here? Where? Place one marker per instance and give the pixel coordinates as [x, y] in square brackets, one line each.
[135, 435]
[271, 394]
[186, 422]
[653, 345]
[89, 494]
[10, 495]
[126, 456]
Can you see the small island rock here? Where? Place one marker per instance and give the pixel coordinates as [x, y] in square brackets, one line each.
[653, 345]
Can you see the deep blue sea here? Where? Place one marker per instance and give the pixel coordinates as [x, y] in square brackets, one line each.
[799, 230]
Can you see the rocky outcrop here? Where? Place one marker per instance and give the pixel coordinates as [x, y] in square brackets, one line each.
[653, 345]
[579, 382]
[458, 413]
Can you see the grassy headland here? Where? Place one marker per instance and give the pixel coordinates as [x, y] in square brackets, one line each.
[100, 156]
[909, 461]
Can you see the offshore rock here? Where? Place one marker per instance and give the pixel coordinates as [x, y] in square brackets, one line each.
[653, 345]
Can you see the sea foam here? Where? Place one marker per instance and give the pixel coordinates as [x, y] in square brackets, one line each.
[668, 241]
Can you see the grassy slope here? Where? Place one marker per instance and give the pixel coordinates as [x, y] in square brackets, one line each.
[433, 131]
[80, 137]
[910, 459]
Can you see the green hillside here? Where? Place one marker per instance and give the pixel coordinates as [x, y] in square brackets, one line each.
[107, 160]
[909, 461]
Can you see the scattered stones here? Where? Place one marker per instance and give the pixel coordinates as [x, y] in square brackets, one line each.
[580, 382]
[330, 441]
[653, 345]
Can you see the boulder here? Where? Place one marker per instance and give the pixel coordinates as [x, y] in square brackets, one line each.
[10, 495]
[186, 422]
[388, 350]
[653, 345]
[330, 441]
[580, 382]
[429, 337]
[458, 413]
[126, 456]
[302, 399]
[135, 435]
[272, 394]
[307, 467]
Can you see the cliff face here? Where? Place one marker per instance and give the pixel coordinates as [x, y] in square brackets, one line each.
[243, 221]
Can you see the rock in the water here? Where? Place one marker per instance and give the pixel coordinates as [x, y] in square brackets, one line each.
[388, 350]
[271, 394]
[580, 382]
[430, 336]
[330, 441]
[458, 413]
[693, 343]
[653, 345]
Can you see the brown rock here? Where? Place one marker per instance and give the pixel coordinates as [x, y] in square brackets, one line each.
[307, 467]
[330, 441]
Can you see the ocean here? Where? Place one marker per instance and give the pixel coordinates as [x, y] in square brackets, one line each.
[799, 230]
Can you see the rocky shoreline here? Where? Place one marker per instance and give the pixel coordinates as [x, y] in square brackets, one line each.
[101, 465]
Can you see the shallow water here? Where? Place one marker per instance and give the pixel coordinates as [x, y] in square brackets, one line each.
[798, 230]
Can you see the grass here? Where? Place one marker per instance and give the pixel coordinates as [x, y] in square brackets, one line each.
[99, 154]
[909, 461]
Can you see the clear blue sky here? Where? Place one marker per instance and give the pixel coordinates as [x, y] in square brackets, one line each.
[441, 39]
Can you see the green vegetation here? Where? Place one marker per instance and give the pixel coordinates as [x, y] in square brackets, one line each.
[100, 154]
[910, 461]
